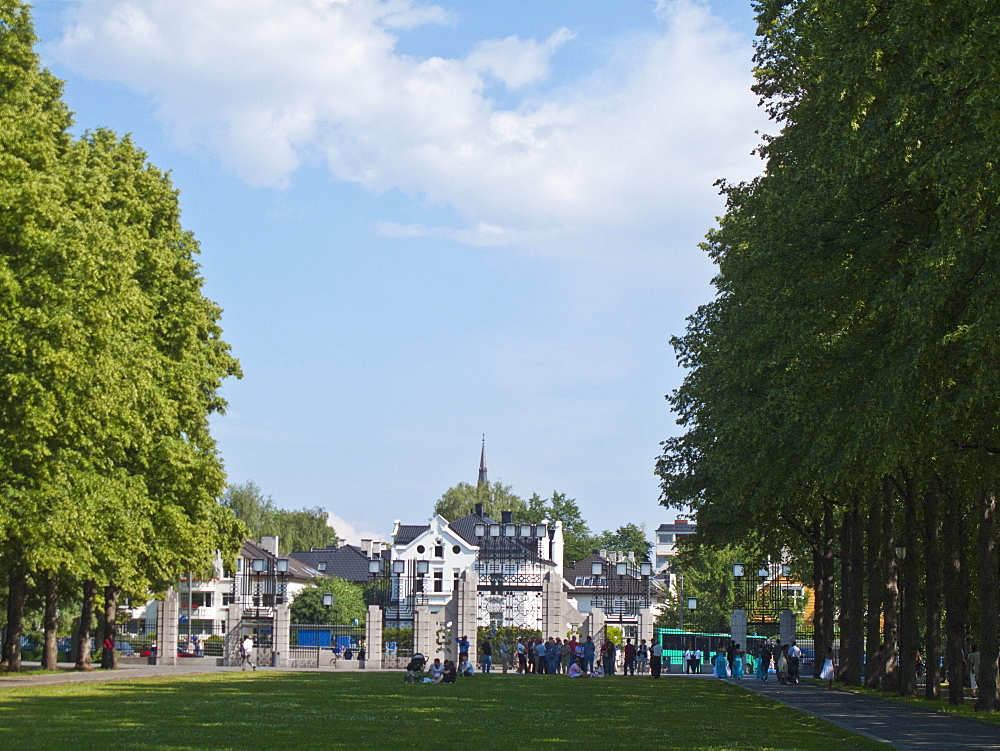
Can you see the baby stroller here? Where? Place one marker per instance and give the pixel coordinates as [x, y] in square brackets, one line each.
[415, 668]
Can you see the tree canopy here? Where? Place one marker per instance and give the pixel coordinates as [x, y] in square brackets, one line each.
[304, 529]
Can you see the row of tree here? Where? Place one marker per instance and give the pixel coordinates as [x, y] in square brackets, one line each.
[841, 394]
[111, 360]
[304, 529]
[496, 498]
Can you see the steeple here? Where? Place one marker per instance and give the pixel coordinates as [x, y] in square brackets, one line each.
[482, 464]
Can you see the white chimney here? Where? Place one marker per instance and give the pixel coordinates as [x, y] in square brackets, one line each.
[269, 543]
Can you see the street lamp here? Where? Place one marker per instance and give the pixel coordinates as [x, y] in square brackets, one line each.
[645, 569]
[375, 566]
[763, 572]
[738, 570]
[327, 600]
[621, 569]
[692, 604]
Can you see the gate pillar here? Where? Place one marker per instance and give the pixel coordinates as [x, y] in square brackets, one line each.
[373, 638]
[594, 623]
[466, 616]
[552, 606]
[423, 631]
[786, 626]
[166, 640]
[646, 620]
[281, 644]
[738, 627]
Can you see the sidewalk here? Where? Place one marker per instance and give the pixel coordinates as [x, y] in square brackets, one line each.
[884, 720]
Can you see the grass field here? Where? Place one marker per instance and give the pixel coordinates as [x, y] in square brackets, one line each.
[378, 710]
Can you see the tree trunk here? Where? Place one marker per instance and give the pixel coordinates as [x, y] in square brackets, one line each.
[955, 602]
[50, 652]
[16, 597]
[819, 595]
[109, 658]
[829, 566]
[873, 624]
[989, 606]
[932, 592]
[86, 620]
[890, 597]
[851, 596]
[909, 592]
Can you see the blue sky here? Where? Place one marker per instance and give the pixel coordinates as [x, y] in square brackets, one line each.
[428, 221]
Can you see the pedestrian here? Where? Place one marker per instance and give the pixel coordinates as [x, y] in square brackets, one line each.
[696, 661]
[246, 653]
[463, 649]
[108, 656]
[688, 656]
[552, 657]
[765, 660]
[589, 651]
[973, 663]
[522, 657]
[794, 653]
[504, 650]
[487, 657]
[642, 657]
[827, 673]
[721, 664]
[540, 657]
[738, 664]
[781, 664]
[656, 659]
[629, 658]
[608, 657]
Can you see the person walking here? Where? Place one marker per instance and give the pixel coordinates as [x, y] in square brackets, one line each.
[765, 660]
[608, 657]
[738, 664]
[629, 651]
[656, 659]
[794, 653]
[721, 664]
[504, 650]
[487, 657]
[589, 651]
[246, 653]
[642, 657]
[827, 673]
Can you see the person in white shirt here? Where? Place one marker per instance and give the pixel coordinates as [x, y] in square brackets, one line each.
[466, 670]
[246, 653]
[696, 661]
[656, 658]
[436, 670]
[794, 653]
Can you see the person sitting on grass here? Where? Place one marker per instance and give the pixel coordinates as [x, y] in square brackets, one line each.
[448, 676]
[436, 670]
[466, 670]
[575, 671]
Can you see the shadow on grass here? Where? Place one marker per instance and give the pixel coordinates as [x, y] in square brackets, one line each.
[379, 710]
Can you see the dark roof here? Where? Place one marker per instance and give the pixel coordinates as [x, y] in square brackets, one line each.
[346, 562]
[407, 533]
[680, 525]
[582, 568]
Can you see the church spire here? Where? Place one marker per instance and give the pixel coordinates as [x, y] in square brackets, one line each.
[482, 464]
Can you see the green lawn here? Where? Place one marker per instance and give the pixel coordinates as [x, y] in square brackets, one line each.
[378, 710]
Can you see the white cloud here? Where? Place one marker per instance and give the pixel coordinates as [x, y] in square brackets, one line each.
[347, 531]
[267, 84]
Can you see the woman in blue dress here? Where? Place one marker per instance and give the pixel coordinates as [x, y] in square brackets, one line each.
[721, 665]
[738, 665]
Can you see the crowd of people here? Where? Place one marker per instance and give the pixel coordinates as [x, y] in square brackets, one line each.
[558, 656]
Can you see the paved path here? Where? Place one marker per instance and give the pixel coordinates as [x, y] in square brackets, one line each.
[891, 722]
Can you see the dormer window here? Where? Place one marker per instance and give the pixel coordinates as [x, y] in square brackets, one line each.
[321, 566]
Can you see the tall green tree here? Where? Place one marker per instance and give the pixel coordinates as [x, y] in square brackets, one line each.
[460, 500]
[577, 537]
[348, 603]
[296, 530]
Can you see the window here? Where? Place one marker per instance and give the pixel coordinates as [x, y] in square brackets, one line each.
[455, 549]
[227, 598]
[666, 538]
[439, 551]
[579, 581]
[321, 566]
[198, 599]
[454, 582]
[421, 549]
[438, 581]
